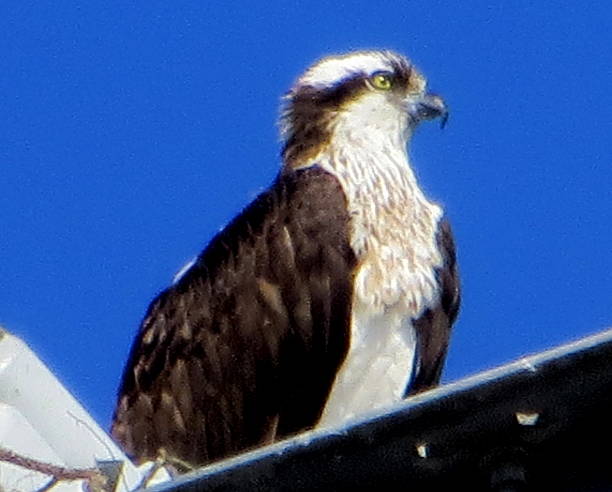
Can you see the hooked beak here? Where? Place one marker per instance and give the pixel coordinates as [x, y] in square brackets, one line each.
[428, 107]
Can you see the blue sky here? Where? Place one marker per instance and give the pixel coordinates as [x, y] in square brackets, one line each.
[131, 132]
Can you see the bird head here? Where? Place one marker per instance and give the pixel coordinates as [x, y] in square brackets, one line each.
[353, 96]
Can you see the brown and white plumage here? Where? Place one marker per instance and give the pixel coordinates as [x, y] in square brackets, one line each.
[330, 296]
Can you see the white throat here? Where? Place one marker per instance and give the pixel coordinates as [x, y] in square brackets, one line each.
[393, 234]
[393, 225]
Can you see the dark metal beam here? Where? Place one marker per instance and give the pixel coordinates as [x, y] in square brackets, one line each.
[539, 423]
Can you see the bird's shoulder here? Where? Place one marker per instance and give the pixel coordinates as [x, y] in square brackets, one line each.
[269, 296]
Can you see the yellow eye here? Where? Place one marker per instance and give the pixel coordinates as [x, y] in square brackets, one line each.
[382, 81]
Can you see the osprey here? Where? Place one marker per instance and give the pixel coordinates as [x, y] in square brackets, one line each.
[330, 296]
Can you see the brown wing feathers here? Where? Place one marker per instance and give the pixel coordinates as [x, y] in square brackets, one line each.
[434, 325]
[245, 346]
